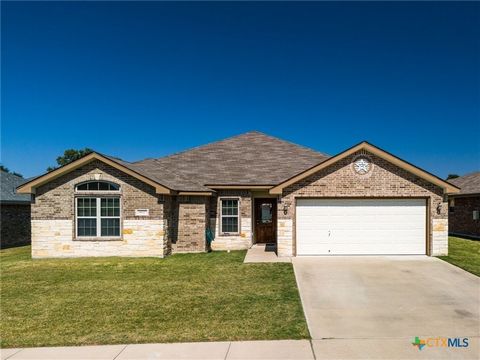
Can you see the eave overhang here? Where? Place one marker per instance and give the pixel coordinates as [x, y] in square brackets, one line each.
[240, 187]
[30, 186]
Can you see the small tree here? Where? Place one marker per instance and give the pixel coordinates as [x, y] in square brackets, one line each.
[68, 156]
[452, 176]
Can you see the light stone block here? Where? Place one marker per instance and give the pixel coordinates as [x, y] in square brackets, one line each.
[285, 238]
[242, 241]
[54, 238]
[439, 244]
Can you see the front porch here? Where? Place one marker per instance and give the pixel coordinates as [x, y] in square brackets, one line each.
[264, 253]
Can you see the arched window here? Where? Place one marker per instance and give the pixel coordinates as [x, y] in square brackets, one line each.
[98, 186]
[97, 216]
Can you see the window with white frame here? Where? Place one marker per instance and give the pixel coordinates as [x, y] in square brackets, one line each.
[97, 216]
[229, 216]
[97, 186]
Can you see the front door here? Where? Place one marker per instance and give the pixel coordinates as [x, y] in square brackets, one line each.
[266, 220]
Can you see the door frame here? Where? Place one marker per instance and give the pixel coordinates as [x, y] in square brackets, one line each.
[275, 217]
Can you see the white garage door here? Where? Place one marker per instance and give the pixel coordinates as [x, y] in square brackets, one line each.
[360, 227]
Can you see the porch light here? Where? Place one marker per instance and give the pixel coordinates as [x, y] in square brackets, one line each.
[439, 208]
[285, 209]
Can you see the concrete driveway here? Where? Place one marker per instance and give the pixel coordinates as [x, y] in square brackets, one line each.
[373, 307]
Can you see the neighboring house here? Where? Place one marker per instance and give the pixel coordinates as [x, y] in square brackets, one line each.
[14, 212]
[464, 206]
[251, 188]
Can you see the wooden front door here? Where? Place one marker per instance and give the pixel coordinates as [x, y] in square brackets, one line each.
[266, 220]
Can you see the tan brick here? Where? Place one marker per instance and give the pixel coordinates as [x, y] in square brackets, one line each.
[385, 180]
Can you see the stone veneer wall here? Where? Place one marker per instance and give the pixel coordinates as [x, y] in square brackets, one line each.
[53, 238]
[15, 227]
[384, 180]
[53, 217]
[461, 219]
[245, 237]
[189, 219]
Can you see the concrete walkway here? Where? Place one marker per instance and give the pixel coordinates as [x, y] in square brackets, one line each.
[378, 348]
[264, 253]
[281, 349]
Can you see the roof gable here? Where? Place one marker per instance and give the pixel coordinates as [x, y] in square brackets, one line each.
[30, 186]
[447, 187]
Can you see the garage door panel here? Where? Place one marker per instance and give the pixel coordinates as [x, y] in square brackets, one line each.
[364, 224]
[359, 249]
[358, 226]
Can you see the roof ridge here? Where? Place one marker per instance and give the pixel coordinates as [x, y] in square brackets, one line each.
[464, 177]
[469, 174]
[3, 173]
[207, 144]
[291, 143]
[195, 147]
[230, 138]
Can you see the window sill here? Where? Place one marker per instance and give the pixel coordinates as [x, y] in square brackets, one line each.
[229, 234]
[97, 239]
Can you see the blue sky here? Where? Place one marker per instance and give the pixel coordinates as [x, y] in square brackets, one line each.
[138, 80]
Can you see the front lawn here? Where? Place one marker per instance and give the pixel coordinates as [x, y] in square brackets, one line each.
[191, 297]
[464, 254]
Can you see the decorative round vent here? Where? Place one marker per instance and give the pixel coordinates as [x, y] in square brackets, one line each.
[362, 165]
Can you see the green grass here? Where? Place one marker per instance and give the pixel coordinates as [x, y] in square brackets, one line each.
[464, 254]
[190, 297]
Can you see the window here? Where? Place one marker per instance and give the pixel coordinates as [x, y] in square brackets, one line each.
[86, 217]
[229, 216]
[110, 216]
[98, 186]
[94, 223]
[476, 214]
[98, 216]
[266, 213]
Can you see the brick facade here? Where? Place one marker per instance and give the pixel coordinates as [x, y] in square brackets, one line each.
[53, 217]
[15, 225]
[189, 218]
[55, 200]
[384, 180]
[461, 220]
[178, 223]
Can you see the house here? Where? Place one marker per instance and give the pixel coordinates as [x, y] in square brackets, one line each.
[14, 212]
[464, 206]
[251, 188]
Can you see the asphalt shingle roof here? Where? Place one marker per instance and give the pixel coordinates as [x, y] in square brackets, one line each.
[252, 158]
[468, 184]
[161, 175]
[8, 183]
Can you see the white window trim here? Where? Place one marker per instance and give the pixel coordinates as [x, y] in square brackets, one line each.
[220, 230]
[97, 191]
[98, 198]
